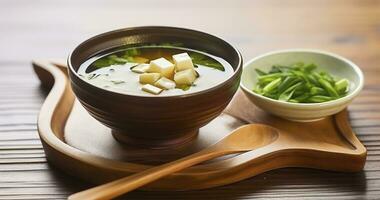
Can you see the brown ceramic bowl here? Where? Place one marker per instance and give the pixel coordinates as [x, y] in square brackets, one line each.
[170, 119]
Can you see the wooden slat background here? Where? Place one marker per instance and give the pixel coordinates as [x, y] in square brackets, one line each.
[50, 29]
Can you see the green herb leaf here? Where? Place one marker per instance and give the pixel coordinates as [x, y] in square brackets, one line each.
[200, 59]
[117, 60]
[102, 62]
[132, 52]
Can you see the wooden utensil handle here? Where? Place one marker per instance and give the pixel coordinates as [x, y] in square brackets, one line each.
[124, 185]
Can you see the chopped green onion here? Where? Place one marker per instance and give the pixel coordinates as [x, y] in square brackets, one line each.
[319, 99]
[328, 87]
[288, 82]
[287, 94]
[341, 86]
[272, 85]
[299, 83]
[317, 90]
[302, 98]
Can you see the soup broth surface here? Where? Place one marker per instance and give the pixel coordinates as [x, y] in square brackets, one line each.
[111, 70]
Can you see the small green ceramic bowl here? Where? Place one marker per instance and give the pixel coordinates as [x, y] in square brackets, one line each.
[336, 65]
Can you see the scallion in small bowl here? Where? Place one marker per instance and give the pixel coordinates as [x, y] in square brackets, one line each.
[300, 83]
[322, 85]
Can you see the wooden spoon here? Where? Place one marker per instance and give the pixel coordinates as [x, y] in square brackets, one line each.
[245, 138]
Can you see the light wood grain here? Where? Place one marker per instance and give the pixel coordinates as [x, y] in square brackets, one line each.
[328, 144]
[243, 139]
[33, 29]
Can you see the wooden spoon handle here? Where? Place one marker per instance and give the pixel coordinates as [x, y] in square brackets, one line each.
[124, 185]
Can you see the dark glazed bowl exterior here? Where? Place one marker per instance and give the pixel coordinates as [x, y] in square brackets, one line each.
[154, 120]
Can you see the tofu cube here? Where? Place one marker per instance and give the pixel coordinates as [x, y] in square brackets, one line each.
[149, 78]
[182, 62]
[185, 77]
[162, 66]
[151, 89]
[165, 83]
[141, 68]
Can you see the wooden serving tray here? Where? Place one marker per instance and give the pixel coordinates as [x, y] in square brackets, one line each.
[79, 145]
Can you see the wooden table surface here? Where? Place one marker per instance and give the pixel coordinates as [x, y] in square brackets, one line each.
[50, 29]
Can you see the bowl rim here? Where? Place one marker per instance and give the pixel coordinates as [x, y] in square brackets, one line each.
[236, 72]
[331, 103]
